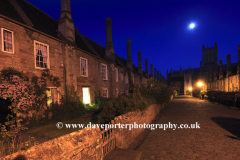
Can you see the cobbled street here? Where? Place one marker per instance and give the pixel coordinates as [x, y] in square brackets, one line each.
[217, 138]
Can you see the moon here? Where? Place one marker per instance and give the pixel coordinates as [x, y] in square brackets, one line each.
[192, 25]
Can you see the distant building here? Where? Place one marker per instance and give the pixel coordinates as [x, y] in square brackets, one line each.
[213, 76]
[32, 41]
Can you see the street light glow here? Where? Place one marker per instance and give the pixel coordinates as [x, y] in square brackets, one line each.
[190, 88]
[200, 84]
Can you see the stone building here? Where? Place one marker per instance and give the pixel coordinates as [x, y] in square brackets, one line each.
[212, 75]
[32, 41]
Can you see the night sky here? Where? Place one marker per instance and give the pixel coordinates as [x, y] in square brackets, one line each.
[160, 29]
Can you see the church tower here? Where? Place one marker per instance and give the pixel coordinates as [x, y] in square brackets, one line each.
[210, 55]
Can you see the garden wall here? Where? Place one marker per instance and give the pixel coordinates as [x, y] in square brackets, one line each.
[87, 144]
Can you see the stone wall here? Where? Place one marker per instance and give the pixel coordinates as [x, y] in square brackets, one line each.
[87, 143]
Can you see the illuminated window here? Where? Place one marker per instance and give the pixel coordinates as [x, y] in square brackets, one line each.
[84, 67]
[42, 55]
[86, 95]
[105, 92]
[116, 74]
[126, 78]
[104, 72]
[7, 41]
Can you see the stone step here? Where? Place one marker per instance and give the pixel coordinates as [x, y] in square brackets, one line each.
[123, 154]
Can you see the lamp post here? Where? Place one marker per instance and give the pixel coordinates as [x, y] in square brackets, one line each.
[190, 89]
[200, 84]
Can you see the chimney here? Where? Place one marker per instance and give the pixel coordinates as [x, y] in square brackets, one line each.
[157, 75]
[180, 71]
[109, 50]
[140, 63]
[238, 65]
[129, 57]
[151, 67]
[146, 65]
[228, 65]
[220, 69]
[160, 77]
[65, 22]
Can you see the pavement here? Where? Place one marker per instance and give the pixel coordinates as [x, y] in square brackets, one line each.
[217, 138]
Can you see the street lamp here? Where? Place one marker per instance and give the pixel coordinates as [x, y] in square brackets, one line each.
[201, 84]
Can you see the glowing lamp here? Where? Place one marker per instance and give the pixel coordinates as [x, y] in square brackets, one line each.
[190, 88]
[200, 84]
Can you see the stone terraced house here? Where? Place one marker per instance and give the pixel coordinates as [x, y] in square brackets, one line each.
[32, 41]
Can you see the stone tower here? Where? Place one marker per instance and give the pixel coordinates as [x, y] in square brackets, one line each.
[210, 55]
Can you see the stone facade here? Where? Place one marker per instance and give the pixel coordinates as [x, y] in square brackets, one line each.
[213, 76]
[32, 41]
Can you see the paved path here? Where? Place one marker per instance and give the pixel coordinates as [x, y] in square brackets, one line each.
[217, 138]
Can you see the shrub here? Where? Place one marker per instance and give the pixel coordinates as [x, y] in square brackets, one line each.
[140, 99]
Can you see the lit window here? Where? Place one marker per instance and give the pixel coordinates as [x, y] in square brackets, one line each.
[116, 74]
[104, 71]
[105, 92]
[7, 41]
[126, 78]
[116, 92]
[42, 55]
[84, 67]
[86, 95]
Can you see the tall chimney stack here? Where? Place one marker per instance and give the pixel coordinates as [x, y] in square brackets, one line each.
[155, 73]
[146, 66]
[129, 57]
[228, 65]
[151, 67]
[109, 49]
[220, 69]
[65, 22]
[140, 63]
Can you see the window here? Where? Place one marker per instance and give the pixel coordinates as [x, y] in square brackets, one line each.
[116, 92]
[104, 71]
[42, 55]
[84, 67]
[105, 92]
[121, 76]
[126, 78]
[7, 41]
[86, 95]
[116, 74]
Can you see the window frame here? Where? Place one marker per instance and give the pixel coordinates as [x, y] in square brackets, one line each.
[2, 30]
[81, 67]
[48, 59]
[102, 64]
[103, 92]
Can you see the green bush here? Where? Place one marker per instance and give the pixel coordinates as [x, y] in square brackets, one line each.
[141, 98]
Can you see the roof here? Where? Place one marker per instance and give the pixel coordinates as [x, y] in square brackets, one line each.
[24, 12]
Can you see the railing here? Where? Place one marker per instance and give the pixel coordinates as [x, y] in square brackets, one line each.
[109, 141]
